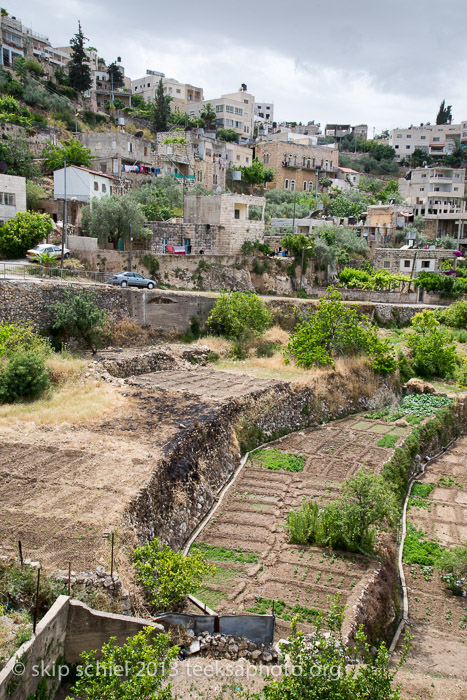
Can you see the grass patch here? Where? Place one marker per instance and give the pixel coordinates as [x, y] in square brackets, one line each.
[264, 606]
[209, 597]
[419, 497]
[418, 549]
[274, 459]
[448, 482]
[238, 556]
[387, 441]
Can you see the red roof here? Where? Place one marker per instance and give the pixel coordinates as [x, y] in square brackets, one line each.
[93, 172]
[348, 170]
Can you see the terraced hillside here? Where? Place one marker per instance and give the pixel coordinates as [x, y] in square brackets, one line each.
[438, 619]
[265, 567]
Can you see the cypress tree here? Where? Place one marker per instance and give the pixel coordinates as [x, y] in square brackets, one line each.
[161, 109]
[78, 68]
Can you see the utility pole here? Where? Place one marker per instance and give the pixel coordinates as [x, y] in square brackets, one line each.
[294, 201]
[65, 217]
[317, 179]
[155, 157]
[129, 250]
[112, 87]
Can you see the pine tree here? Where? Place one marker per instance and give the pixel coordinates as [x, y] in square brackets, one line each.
[161, 109]
[79, 71]
[444, 114]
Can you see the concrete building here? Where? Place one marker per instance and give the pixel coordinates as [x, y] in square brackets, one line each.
[183, 94]
[116, 152]
[339, 131]
[12, 40]
[265, 110]
[433, 139]
[12, 196]
[380, 222]
[410, 261]
[213, 224]
[437, 194]
[234, 111]
[346, 179]
[298, 164]
[82, 184]
[199, 158]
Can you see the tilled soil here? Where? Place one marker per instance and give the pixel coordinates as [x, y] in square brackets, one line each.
[438, 619]
[253, 514]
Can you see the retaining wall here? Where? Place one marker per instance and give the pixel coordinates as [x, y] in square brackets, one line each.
[68, 628]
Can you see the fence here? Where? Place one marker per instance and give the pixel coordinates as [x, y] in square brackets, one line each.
[26, 271]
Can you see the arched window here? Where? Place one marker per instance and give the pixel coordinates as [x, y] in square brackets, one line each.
[286, 184]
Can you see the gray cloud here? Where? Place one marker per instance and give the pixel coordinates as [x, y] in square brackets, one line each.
[384, 63]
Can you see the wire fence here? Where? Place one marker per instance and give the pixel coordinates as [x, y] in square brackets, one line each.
[25, 271]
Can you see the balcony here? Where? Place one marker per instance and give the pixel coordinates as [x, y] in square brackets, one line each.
[290, 164]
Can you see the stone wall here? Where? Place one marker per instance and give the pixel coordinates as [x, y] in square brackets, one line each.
[196, 465]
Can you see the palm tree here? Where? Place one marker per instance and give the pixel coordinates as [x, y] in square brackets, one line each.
[208, 115]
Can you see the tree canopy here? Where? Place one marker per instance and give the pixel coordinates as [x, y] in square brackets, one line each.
[73, 151]
[444, 115]
[109, 219]
[161, 109]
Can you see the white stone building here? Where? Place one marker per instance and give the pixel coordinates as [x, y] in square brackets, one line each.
[82, 184]
[12, 196]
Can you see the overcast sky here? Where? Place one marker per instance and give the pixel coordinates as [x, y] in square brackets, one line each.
[386, 64]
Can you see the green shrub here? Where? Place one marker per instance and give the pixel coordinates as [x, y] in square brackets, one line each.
[454, 315]
[236, 313]
[404, 366]
[453, 567]
[21, 337]
[24, 231]
[267, 349]
[367, 504]
[169, 576]
[24, 377]
[79, 317]
[151, 263]
[431, 356]
[418, 549]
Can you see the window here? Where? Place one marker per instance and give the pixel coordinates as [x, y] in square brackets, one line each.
[409, 136]
[219, 108]
[237, 213]
[229, 122]
[130, 147]
[386, 264]
[103, 167]
[292, 185]
[310, 185]
[245, 101]
[286, 184]
[425, 264]
[396, 146]
[407, 264]
[407, 147]
[423, 138]
[8, 199]
[145, 150]
[422, 189]
[247, 160]
[455, 189]
[104, 188]
[229, 109]
[238, 157]
[399, 136]
[304, 186]
[178, 90]
[238, 110]
[238, 125]
[424, 175]
[436, 138]
[110, 189]
[96, 186]
[214, 179]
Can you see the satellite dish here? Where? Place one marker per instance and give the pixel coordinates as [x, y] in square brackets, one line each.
[138, 134]
[3, 167]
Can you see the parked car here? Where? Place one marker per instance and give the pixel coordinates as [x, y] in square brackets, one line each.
[131, 279]
[175, 249]
[55, 251]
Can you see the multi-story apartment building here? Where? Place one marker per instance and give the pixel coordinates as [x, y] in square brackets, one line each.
[12, 40]
[265, 110]
[234, 111]
[12, 196]
[38, 46]
[116, 152]
[433, 139]
[297, 164]
[437, 194]
[199, 158]
[183, 94]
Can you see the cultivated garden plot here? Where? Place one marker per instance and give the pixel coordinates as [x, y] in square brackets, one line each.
[437, 514]
[246, 539]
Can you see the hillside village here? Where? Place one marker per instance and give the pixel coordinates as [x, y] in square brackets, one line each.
[192, 292]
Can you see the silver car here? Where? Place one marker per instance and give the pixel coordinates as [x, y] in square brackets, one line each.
[131, 279]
